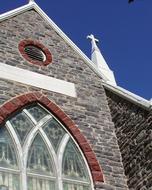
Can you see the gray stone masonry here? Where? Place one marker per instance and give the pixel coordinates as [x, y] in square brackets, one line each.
[134, 132]
[89, 110]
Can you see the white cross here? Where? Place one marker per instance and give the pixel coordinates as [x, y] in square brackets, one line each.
[93, 41]
[92, 38]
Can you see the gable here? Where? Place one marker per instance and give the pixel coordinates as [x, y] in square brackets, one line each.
[30, 25]
[33, 6]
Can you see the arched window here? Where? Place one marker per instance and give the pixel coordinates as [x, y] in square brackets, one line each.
[38, 153]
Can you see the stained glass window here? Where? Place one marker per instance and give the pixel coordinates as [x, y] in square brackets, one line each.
[40, 184]
[74, 169]
[7, 151]
[8, 160]
[37, 153]
[22, 125]
[9, 181]
[73, 165]
[69, 186]
[39, 159]
[55, 132]
[37, 112]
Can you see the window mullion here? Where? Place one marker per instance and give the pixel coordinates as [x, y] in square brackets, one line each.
[30, 116]
[19, 155]
[60, 153]
[27, 145]
[52, 152]
[31, 135]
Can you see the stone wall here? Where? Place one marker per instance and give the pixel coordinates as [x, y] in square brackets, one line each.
[133, 126]
[89, 110]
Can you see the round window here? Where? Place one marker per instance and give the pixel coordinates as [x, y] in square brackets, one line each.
[34, 52]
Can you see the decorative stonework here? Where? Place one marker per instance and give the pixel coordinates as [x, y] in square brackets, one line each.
[17, 102]
[38, 45]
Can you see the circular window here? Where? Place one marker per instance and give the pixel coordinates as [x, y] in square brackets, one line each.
[35, 52]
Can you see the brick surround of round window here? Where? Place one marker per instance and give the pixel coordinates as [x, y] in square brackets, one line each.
[27, 48]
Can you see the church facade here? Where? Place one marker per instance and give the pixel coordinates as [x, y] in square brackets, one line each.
[64, 122]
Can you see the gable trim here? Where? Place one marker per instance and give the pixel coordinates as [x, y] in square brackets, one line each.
[16, 11]
[135, 99]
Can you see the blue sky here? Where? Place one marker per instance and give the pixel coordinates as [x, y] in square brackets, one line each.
[124, 31]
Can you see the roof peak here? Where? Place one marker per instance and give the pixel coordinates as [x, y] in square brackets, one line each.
[31, 1]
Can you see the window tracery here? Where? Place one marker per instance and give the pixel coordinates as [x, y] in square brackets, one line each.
[37, 153]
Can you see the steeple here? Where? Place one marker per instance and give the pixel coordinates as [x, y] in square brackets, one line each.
[31, 1]
[100, 62]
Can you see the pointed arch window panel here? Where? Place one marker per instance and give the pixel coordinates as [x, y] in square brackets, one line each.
[38, 153]
[75, 173]
[22, 125]
[9, 170]
[39, 159]
[54, 132]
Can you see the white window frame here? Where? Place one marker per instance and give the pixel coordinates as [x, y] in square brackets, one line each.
[22, 153]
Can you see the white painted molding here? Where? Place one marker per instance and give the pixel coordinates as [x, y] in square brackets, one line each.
[31, 1]
[16, 11]
[128, 95]
[151, 101]
[37, 80]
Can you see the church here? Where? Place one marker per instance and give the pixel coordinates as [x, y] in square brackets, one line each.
[65, 124]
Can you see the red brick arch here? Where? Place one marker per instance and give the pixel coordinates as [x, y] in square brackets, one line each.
[19, 101]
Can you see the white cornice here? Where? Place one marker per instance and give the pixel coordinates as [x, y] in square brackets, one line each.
[151, 101]
[16, 11]
[128, 95]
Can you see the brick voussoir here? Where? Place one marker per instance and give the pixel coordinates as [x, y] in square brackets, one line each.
[61, 114]
[23, 99]
[68, 122]
[3, 112]
[97, 177]
[31, 97]
[44, 100]
[1, 119]
[81, 139]
[17, 102]
[10, 107]
[53, 107]
[86, 147]
[38, 95]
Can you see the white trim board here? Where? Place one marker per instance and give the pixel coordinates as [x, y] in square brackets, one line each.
[128, 95]
[37, 80]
